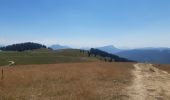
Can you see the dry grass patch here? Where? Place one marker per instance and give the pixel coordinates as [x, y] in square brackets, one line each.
[164, 67]
[72, 81]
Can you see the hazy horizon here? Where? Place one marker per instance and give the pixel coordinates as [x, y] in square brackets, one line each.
[86, 23]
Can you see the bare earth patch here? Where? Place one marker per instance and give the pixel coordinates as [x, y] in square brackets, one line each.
[149, 83]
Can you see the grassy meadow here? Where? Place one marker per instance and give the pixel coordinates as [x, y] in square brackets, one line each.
[43, 56]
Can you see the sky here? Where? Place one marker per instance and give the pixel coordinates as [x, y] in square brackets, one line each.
[86, 23]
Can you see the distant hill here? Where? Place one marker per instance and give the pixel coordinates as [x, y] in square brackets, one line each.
[22, 46]
[107, 56]
[151, 55]
[109, 49]
[58, 47]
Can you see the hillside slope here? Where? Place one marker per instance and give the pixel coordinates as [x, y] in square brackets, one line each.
[107, 56]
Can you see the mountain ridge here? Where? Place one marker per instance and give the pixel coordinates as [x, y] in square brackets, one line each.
[58, 47]
[149, 55]
[109, 48]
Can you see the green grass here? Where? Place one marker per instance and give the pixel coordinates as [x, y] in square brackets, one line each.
[44, 57]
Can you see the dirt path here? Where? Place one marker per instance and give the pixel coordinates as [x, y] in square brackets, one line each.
[149, 83]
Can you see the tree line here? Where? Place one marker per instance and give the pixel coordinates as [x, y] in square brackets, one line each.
[22, 46]
[106, 56]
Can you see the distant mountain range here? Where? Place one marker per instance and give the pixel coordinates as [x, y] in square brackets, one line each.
[153, 48]
[110, 49]
[149, 54]
[58, 47]
[161, 56]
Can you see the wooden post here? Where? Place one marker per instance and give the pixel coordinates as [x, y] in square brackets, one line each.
[2, 74]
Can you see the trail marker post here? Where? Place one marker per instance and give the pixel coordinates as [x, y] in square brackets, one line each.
[2, 74]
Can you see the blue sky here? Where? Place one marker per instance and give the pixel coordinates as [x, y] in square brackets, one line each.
[86, 23]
